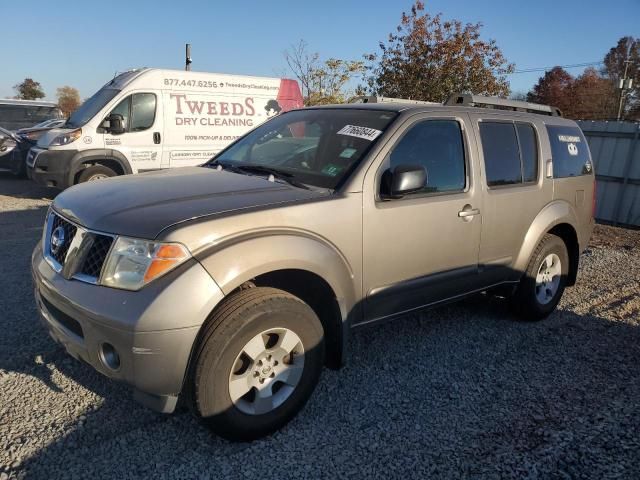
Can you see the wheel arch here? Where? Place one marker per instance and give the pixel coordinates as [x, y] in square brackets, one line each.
[109, 158]
[304, 266]
[558, 218]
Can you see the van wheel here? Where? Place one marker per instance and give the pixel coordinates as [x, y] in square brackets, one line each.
[95, 172]
[258, 361]
[543, 283]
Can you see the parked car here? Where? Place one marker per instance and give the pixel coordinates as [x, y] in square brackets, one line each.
[13, 151]
[230, 285]
[32, 134]
[16, 114]
[150, 119]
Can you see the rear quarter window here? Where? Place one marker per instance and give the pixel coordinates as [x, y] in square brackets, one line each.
[570, 152]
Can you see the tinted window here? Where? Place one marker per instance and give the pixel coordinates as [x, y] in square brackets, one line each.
[143, 111]
[437, 146]
[570, 152]
[528, 151]
[501, 155]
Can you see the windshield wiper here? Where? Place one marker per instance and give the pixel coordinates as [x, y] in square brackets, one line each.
[279, 174]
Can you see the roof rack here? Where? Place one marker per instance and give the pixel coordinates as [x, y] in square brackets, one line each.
[469, 100]
[376, 99]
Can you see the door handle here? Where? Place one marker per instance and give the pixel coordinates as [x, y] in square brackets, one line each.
[469, 212]
[156, 137]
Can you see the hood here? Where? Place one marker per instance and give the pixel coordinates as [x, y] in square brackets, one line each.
[145, 204]
[45, 139]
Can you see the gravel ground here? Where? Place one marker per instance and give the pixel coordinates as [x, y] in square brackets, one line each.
[459, 391]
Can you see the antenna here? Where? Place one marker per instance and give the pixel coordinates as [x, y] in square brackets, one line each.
[187, 59]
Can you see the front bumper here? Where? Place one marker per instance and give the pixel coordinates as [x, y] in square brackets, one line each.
[152, 330]
[50, 168]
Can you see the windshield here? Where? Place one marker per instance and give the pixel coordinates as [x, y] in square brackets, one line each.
[314, 147]
[90, 107]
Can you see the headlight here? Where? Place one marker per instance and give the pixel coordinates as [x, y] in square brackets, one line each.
[133, 263]
[66, 138]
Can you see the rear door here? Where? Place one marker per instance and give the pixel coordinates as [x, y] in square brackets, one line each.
[141, 143]
[513, 185]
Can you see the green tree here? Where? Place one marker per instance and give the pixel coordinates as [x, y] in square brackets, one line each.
[322, 82]
[429, 58]
[29, 89]
[68, 99]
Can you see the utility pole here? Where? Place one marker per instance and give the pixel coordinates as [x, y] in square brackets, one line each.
[624, 84]
[187, 59]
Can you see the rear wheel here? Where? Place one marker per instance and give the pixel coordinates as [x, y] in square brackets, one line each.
[95, 172]
[258, 361]
[542, 285]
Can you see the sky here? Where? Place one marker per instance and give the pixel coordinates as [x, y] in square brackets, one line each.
[83, 44]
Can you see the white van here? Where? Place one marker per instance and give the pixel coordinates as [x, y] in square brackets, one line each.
[149, 119]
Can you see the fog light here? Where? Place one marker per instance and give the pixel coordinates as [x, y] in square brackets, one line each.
[109, 356]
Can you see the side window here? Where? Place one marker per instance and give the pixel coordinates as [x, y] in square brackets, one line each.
[438, 146]
[528, 151]
[501, 155]
[123, 109]
[138, 111]
[143, 111]
[570, 152]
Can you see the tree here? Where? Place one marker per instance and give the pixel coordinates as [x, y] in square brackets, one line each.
[29, 89]
[553, 88]
[322, 82]
[429, 58]
[627, 49]
[68, 99]
[592, 97]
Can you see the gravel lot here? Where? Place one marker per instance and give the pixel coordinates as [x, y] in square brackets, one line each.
[459, 391]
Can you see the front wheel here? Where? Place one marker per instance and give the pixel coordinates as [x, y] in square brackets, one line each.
[542, 285]
[95, 172]
[257, 363]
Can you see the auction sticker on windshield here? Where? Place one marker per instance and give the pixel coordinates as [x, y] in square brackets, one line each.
[360, 132]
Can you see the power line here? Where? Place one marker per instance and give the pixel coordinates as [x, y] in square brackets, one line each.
[544, 69]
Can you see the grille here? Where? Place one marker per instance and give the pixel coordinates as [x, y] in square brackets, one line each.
[69, 230]
[93, 262]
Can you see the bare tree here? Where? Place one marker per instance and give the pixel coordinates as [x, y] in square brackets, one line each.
[303, 65]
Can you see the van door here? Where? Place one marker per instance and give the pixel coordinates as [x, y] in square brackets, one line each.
[423, 247]
[141, 142]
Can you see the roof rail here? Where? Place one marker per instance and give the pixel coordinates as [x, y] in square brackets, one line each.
[376, 99]
[469, 100]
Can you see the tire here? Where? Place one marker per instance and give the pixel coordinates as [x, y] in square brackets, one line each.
[238, 326]
[534, 300]
[95, 172]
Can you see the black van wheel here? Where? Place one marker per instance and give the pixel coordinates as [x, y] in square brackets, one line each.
[543, 283]
[95, 172]
[257, 363]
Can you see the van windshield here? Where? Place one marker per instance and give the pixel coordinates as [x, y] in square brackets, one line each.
[317, 148]
[90, 107]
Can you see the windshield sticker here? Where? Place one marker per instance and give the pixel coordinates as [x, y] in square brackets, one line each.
[360, 132]
[348, 152]
[331, 169]
[569, 138]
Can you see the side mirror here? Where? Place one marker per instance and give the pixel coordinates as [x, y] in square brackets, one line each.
[406, 179]
[114, 124]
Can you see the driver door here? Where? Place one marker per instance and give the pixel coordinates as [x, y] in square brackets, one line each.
[422, 248]
[141, 143]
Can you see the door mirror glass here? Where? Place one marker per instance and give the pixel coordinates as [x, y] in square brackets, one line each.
[116, 124]
[405, 179]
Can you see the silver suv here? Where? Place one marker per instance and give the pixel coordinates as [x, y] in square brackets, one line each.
[229, 286]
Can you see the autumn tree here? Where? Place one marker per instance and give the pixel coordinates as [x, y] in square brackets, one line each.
[627, 49]
[322, 82]
[553, 88]
[593, 97]
[68, 99]
[29, 89]
[429, 58]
